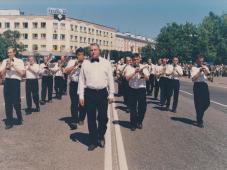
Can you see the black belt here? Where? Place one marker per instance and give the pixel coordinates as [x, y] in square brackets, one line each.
[95, 90]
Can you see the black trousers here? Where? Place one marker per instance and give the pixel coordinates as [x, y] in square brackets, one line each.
[137, 105]
[125, 91]
[174, 91]
[201, 99]
[120, 87]
[65, 83]
[58, 86]
[156, 88]
[165, 90]
[78, 112]
[96, 100]
[12, 99]
[150, 84]
[47, 85]
[32, 92]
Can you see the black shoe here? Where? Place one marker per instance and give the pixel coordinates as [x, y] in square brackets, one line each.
[140, 126]
[101, 142]
[19, 122]
[37, 109]
[91, 147]
[42, 102]
[28, 111]
[73, 126]
[133, 128]
[8, 126]
[167, 108]
[200, 125]
[174, 110]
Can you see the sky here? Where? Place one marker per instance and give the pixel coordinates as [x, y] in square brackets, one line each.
[141, 17]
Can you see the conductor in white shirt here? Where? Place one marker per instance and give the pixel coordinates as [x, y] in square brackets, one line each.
[96, 90]
[13, 69]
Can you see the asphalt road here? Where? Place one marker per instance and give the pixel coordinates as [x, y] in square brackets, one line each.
[168, 141]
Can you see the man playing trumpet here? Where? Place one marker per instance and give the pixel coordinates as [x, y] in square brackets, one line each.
[73, 70]
[137, 75]
[13, 70]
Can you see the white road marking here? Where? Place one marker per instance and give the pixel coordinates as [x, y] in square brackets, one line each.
[108, 147]
[220, 104]
[213, 85]
[120, 145]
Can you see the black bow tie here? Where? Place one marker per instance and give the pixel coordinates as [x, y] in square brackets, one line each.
[94, 60]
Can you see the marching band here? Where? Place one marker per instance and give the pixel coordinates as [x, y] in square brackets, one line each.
[91, 87]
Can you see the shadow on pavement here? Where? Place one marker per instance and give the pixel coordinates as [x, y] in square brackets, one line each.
[123, 108]
[184, 120]
[125, 124]
[68, 121]
[80, 137]
[119, 102]
[160, 108]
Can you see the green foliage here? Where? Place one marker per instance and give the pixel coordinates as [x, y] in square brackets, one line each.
[186, 40]
[9, 39]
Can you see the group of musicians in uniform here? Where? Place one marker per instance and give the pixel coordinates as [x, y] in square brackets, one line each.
[91, 87]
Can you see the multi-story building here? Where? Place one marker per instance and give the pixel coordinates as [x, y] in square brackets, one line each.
[45, 34]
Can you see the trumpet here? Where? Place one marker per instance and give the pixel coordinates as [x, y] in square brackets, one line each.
[77, 67]
[141, 73]
[209, 76]
[9, 63]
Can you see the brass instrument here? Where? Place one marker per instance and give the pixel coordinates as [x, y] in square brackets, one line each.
[9, 63]
[209, 76]
[141, 73]
[77, 66]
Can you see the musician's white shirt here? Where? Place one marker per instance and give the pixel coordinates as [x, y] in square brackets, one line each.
[176, 75]
[43, 71]
[169, 70]
[202, 77]
[151, 68]
[33, 73]
[96, 75]
[75, 76]
[57, 70]
[136, 82]
[12, 74]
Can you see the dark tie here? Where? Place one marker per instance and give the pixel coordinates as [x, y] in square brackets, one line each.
[94, 60]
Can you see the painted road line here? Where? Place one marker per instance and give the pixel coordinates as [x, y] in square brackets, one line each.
[108, 147]
[120, 145]
[217, 103]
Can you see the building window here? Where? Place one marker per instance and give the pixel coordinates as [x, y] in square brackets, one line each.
[111, 35]
[62, 47]
[63, 26]
[104, 42]
[34, 47]
[55, 47]
[97, 41]
[76, 38]
[81, 39]
[43, 46]
[75, 28]
[100, 42]
[107, 43]
[0, 25]
[16, 25]
[85, 29]
[93, 40]
[71, 37]
[55, 25]
[89, 30]
[62, 37]
[97, 32]
[34, 36]
[85, 39]
[81, 28]
[35, 25]
[25, 36]
[43, 36]
[25, 25]
[7, 25]
[89, 40]
[55, 36]
[43, 24]
[71, 47]
[71, 26]
[100, 33]
[25, 46]
[93, 31]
